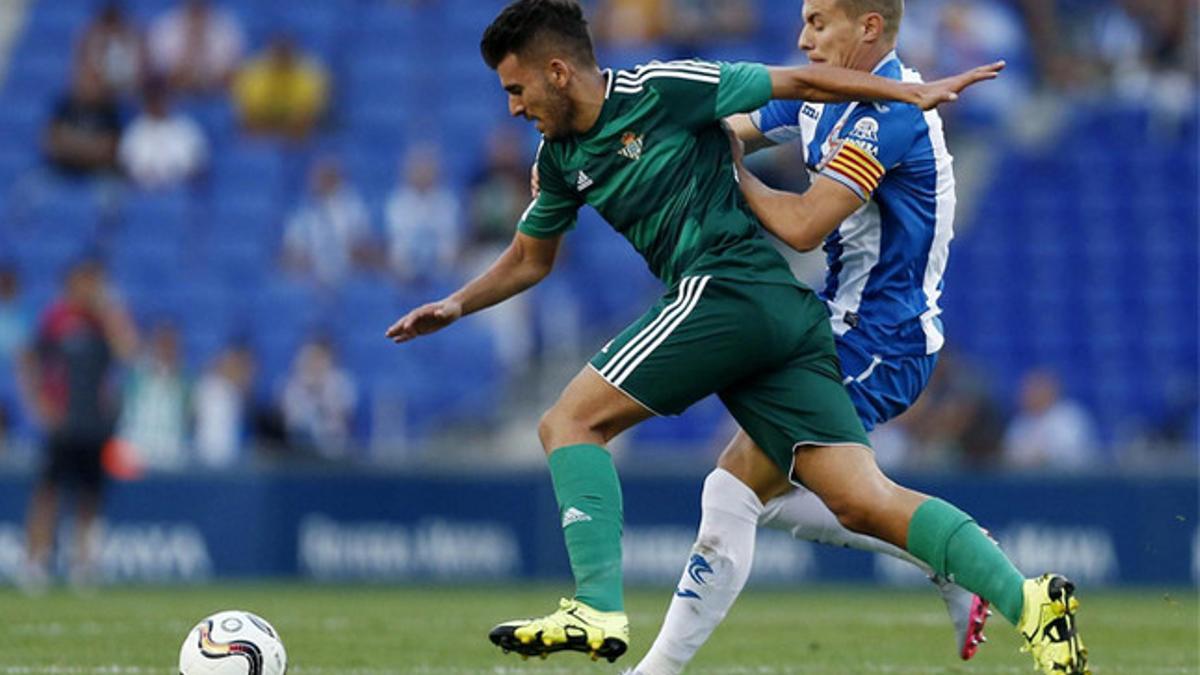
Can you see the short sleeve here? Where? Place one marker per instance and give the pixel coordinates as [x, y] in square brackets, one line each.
[874, 139]
[744, 87]
[556, 207]
[779, 120]
[699, 93]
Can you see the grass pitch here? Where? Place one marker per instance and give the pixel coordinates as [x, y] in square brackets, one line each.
[441, 631]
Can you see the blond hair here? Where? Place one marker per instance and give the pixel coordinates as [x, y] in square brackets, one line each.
[891, 11]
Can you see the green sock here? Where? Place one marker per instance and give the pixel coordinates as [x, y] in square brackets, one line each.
[956, 548]
[589, 503]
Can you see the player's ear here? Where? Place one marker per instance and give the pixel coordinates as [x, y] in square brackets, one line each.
[872, 26]
[559, 72]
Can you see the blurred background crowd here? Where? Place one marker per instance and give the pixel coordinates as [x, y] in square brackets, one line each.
[237, 198]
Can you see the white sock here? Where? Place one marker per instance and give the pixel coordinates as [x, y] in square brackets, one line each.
[714, 576]
[805, 517]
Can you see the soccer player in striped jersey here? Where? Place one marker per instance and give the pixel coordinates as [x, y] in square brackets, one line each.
[882, 200]
[647, 150]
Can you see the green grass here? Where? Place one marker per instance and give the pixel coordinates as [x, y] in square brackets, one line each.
[385, 631]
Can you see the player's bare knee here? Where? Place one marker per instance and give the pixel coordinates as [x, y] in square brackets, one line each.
[853, 511]
[750, 466]
[559, 427]
[549, 429]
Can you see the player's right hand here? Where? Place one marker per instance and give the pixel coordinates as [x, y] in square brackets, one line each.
[929, 95]
[425, 319]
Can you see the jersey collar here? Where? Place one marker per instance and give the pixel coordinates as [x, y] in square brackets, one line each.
[888, 58]
[605, 108]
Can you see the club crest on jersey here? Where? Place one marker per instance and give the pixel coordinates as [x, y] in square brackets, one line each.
[631, 146]
[867, 129]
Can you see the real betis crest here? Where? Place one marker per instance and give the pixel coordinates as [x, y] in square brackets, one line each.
[631, 146]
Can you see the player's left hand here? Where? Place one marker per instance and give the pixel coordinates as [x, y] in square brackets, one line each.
[425, 319]
[929, 95]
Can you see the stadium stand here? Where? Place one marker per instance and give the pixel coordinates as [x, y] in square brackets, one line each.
[1102, 238]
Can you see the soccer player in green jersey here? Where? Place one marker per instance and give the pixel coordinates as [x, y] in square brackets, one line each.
[646, 149]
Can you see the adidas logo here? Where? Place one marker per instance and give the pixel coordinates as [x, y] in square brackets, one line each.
[574, 515]
[583, 182]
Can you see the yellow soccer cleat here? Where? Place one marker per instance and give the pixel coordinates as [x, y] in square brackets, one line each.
[575, 627]
[1048, 626]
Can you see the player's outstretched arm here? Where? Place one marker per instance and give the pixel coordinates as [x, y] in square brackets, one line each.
[829, 84]
[525, 262]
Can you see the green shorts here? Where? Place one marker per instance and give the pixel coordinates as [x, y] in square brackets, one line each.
[765, 349]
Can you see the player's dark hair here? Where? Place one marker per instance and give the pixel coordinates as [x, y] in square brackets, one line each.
[527, 24]
[891, 11]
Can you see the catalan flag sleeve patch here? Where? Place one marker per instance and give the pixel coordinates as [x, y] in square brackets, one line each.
[855, 168]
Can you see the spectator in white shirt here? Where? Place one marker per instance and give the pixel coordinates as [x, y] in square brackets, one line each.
[154, 415]
[162, 148]
[319, 400]
[423, 219]
[196, 47]
[220, 406]
[329, 234]
[1049, 431]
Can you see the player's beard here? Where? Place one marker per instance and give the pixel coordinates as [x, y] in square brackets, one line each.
[559, 113]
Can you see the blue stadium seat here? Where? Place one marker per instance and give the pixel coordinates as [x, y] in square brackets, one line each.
[243, 214]
[151, 212]
[249, 165]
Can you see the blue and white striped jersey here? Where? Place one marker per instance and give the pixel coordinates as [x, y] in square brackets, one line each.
[886, 261]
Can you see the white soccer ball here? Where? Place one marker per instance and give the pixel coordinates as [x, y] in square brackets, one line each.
[233, 643]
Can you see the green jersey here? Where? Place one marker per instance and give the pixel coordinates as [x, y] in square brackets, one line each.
[657, 166]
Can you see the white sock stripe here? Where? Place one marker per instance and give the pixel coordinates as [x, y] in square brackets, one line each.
[691, 306]
[663, 316]
[647, 337]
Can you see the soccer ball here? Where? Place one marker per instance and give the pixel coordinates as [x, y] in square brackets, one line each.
[232, 643]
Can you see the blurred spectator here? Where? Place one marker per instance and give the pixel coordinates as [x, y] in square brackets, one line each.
[1049, 431]
[81, 137]
[15, 321]
[632, 22]
[329, 234]
[422, 217]
[942, 37]
[498, 192]
[112, 48]
[1148, 46]
[319, 400]
[196, 46]
[162, 148]
[154, 415]
[15, 324]
[282, 92]
[698, 23]
[221, 408]
[81, 340]
[955, 420]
